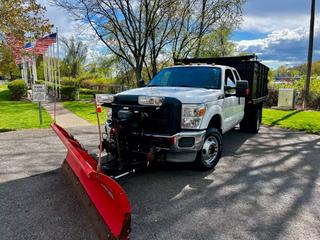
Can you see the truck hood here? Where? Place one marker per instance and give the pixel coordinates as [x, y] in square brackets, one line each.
[184, 94]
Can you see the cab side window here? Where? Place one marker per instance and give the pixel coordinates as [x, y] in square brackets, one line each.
[230, 82]
[235, 73]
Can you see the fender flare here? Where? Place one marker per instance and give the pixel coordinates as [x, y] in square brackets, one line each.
[210, 113]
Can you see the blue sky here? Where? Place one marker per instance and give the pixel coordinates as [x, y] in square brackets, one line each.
[276, 30]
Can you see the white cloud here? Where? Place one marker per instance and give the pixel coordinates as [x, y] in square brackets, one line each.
[274, 38]
[282, 27]
[282, 45]
[267, 24]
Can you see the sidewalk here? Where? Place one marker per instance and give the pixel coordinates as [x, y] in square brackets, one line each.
[64, 117]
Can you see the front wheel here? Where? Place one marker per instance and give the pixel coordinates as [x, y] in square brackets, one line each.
[210, 153]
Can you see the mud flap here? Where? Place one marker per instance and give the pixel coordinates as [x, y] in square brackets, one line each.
[106, 202]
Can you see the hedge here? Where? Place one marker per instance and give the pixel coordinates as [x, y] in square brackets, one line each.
[40, 82]
[18, 89]
[69, 92]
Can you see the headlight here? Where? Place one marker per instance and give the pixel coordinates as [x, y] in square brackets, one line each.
[150, 100]
[192, 115]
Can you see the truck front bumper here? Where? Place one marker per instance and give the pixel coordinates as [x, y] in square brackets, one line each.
[183, 141]
[184, 147]
[188, 141]
[180, 147]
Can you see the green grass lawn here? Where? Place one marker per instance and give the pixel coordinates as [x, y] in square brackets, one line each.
[19, 114]
[4, 93]
[85, 96]
[308, 121]
[85, 110]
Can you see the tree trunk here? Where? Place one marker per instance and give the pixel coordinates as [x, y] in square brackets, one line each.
[154, 66]
[204, 2]
[138, 73]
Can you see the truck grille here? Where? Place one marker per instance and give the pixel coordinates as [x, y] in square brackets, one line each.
[152, 120]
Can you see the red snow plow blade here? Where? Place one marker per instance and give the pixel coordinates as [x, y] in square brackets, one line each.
[99, 192]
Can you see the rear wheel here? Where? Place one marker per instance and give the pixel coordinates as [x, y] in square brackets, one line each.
[210, 153]
[252, 120]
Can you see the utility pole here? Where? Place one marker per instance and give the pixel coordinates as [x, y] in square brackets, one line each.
[311, 36]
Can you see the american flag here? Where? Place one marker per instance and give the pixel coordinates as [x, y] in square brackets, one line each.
[42, 44]
[28, 47]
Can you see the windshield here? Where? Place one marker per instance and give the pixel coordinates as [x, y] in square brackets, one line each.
[197, 77]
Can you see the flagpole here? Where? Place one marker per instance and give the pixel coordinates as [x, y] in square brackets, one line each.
[55, 68]
[22, 68]
[34, 69]
[58, 58]
[52, 71]
[22, 74]
[44, 68]
[49, 68]
[25, 71]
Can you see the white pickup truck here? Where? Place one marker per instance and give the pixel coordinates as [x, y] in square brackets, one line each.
[181, 114]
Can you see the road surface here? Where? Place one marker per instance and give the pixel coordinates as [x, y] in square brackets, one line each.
[266, 186]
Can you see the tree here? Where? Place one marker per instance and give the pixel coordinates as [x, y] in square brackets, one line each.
[194, 19]
[18, 17]
[76, 53]
[282, 71]
[216, 44]
[24, 16]
[138, 31]
[8, 68]
[104, 65]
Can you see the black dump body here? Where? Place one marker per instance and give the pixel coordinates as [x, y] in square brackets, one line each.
[249, 69]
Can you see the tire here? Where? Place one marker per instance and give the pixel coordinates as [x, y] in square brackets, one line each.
[252, 120]
[213, 143]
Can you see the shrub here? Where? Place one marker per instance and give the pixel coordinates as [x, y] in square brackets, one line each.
[68, 81]
[87, 91]
[313, 100]
[97, 84]
[40, 81]
[272, 98]
[87, 76]
[69, 92]
[18, 89]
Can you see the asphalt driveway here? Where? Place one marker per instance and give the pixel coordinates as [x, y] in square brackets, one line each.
[266, 186]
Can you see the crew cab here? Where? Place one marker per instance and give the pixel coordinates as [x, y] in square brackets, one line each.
[181, 114]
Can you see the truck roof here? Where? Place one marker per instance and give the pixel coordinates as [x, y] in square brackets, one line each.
[248, 67]
[201, 65]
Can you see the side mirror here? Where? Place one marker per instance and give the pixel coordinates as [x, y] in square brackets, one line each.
[141, 83]
[242, 88]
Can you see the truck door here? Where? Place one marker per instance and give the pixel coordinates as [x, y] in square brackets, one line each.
[239, 107]
[230, 100]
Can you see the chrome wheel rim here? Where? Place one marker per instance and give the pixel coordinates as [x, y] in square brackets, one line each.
[210, 150]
